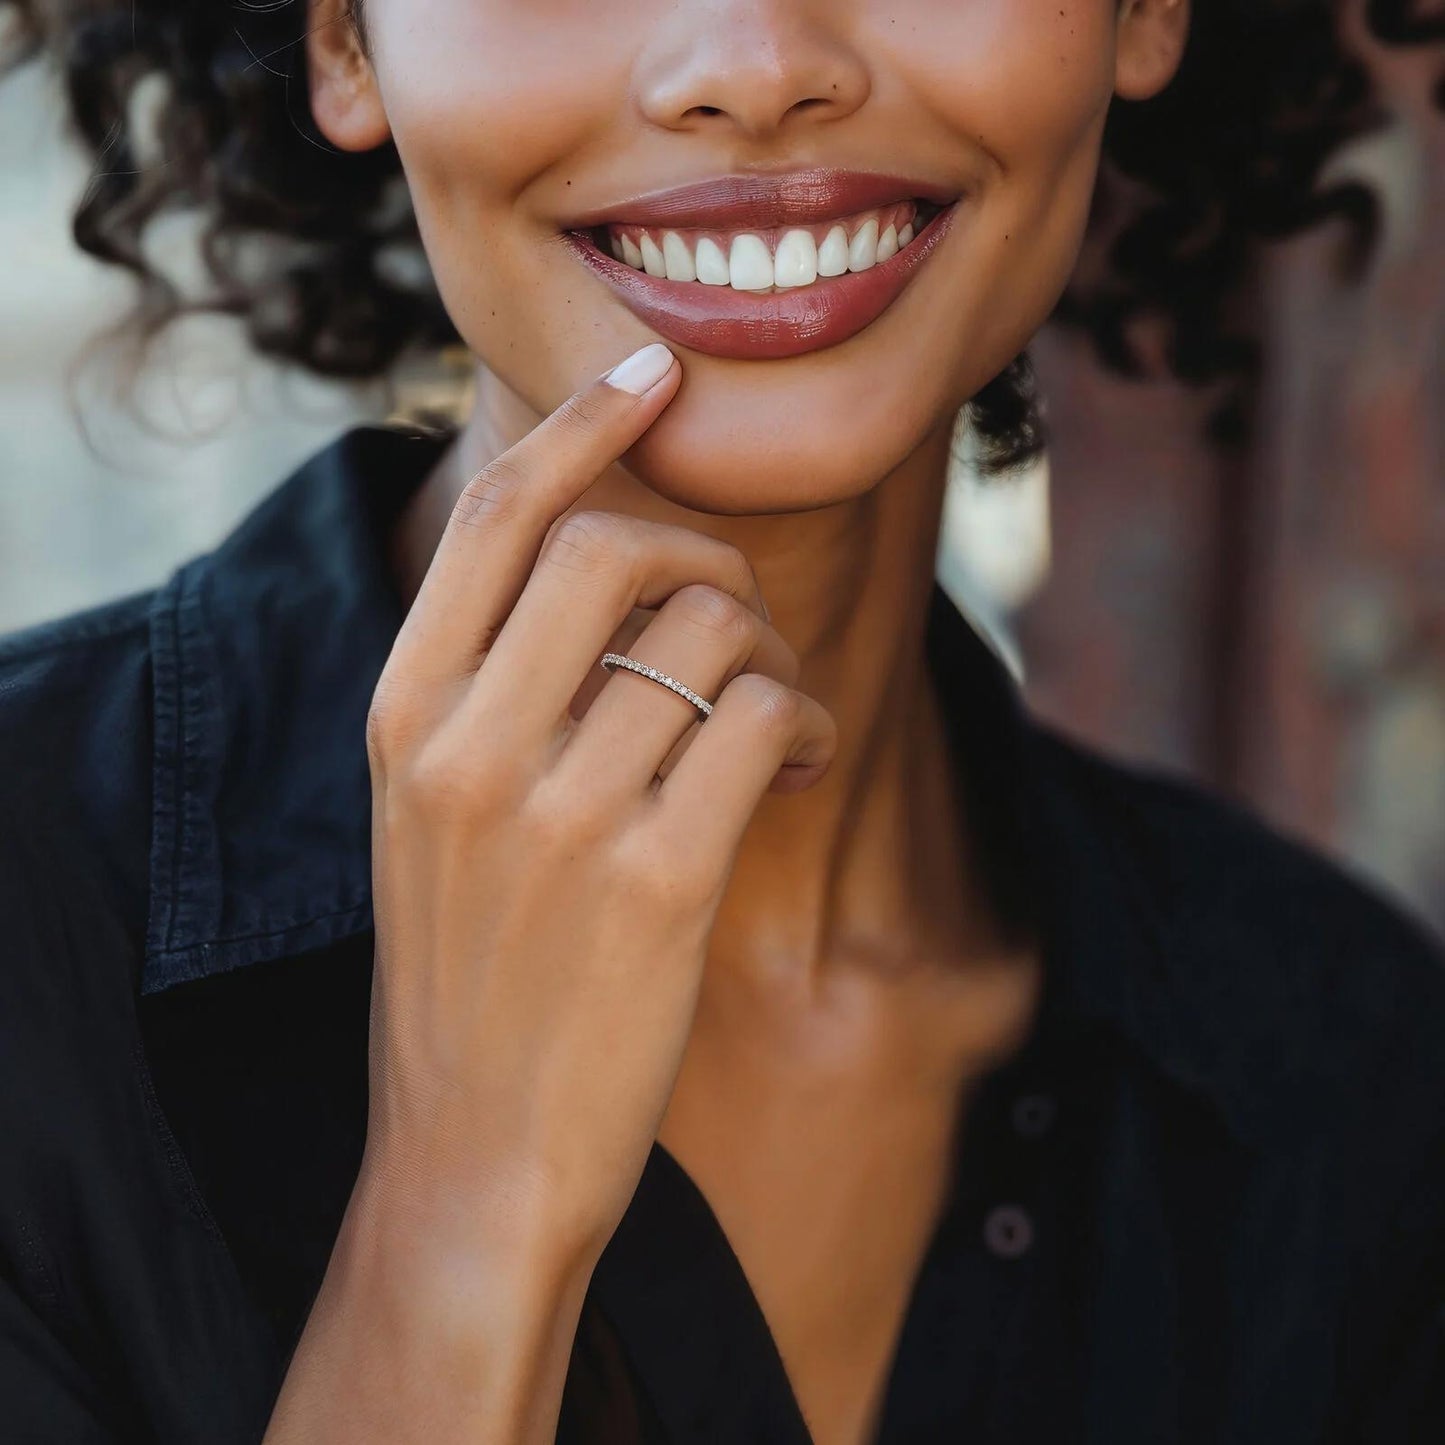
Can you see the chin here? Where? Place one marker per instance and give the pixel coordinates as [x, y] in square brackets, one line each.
[735, 444]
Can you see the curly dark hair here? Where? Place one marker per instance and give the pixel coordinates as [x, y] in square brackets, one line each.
[302, 241]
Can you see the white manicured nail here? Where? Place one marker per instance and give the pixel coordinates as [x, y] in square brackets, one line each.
[642, 370]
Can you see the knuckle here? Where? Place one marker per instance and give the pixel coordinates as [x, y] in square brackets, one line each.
[442, 783]
[434, 782]
[773, 707]
[582, 414]
[713, 614]
[558, 819]
[442, 776]
[392, 720]
[380, 731]
[588, 541]
[492, 496]
[744, 575]
[669, 873]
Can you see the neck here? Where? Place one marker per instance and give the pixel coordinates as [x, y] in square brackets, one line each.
[868, 873]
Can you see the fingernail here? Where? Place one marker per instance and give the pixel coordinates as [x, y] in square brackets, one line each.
[642, 370]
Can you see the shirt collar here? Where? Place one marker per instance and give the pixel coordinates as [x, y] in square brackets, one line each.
[266, 652]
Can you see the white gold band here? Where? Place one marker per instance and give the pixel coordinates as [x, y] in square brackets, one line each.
[613, 660]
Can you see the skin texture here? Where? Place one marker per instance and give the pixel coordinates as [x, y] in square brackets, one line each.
[509, 117]
[855, 981]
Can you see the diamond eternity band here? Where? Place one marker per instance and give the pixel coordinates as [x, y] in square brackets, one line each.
[613, 660]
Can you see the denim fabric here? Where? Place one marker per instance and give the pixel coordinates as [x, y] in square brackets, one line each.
[1205, 1202]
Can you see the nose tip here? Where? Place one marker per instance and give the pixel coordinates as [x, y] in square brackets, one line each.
[755, 80]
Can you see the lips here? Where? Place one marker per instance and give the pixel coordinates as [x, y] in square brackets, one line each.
[756, 215]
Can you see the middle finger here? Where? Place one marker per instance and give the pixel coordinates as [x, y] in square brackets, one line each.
[594, 569]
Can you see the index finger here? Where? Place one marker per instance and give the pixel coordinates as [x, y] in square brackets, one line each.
[500, 519]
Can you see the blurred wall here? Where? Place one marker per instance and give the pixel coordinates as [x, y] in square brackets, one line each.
[1274, 622]
[91, 512]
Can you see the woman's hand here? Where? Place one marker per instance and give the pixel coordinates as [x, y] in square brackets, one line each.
[543, 898]
[543, 905]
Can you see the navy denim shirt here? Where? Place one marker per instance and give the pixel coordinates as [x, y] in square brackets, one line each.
[1204, 1203]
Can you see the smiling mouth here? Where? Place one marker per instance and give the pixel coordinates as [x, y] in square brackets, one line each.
[768, 260]
[761, 267]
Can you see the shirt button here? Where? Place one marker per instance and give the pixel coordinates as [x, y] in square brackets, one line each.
[1008, 1231]
[1032, 1114]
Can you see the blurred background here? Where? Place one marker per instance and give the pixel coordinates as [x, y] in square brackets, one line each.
[1270, 621]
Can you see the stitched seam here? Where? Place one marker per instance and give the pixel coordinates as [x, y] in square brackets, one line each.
[192, 628]
[306, 922]
[165, 785]
[177, 1165]
[52, 1306]
[39, 1266]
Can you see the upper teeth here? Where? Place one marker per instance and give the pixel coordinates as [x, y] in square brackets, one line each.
[765, 261]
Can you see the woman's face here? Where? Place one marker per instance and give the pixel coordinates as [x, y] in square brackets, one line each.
[520, 121]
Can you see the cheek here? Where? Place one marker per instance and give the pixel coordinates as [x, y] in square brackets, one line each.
[1028, 82]
[496, 104]
[485, 97]
[1026, 86]
[519, 67]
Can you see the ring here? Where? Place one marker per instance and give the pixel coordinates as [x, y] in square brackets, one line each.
[613, 660]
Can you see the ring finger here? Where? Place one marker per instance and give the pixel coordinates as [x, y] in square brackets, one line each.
[701, 638]
[594, 570]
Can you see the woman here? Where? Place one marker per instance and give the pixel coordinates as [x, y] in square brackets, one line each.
[561, 928]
